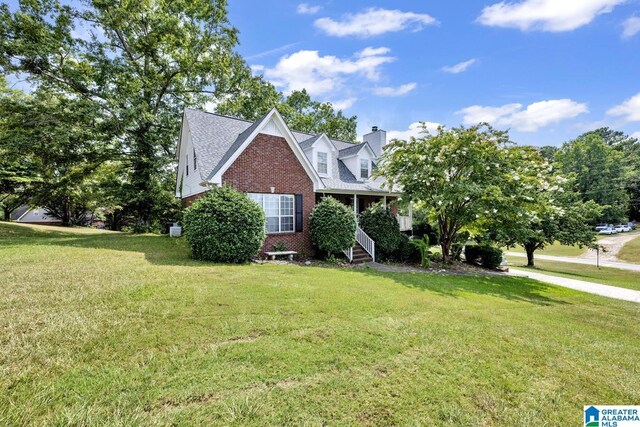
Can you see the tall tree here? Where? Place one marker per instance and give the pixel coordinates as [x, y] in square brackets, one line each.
[542, 210]
[255, 97]
[140, 62]
[61, 141]
[18, 166]
[630, 149]
[462, 175]
[598, 172]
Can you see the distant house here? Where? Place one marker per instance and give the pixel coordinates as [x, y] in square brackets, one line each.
[284, 171]
[28, 215]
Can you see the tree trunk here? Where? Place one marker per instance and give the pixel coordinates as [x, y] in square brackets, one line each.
[143, 178]
[445, 246]
[530, 248]
[6, 214]
[66, 212]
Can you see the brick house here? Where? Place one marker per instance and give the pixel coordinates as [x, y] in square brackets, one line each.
[284, 171]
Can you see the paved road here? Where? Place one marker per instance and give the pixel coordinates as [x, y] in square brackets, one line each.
[575, 260]
[580, 285]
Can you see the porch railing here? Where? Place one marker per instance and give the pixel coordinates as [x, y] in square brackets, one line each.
[366, 242]
[349, 254]
[405, 222]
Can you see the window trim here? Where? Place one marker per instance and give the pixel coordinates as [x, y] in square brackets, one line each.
[280, 216]
[326, 162]
[368, 168]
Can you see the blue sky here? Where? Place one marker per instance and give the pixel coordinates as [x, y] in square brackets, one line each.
[547, 69]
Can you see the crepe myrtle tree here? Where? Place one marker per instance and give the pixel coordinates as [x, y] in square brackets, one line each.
[542, 210]
[461, 175]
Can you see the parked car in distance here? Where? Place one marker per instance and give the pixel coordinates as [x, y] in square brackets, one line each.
[601, 226]
[632, 225]
[622, 228]
[608, 230]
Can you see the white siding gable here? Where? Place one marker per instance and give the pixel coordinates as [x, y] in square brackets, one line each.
[270, 128]
[190, 183]
[322, 145]
[353, 162]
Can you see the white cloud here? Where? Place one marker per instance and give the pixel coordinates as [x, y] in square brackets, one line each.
[629, 110]
[636, 135]
[256, 69]
[343, 104]
[272, 51]
[460, 67]
[535, 116]
[415, 130]
[373, 22]
[394, 91]
[320, 75]
[631, 27]
[545, 15]
[306, 9]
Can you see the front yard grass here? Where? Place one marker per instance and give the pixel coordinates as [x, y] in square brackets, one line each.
[630, 252]
[114, 329]
[589, 273]
[557, 249]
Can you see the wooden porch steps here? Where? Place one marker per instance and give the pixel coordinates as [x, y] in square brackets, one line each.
[360, 256]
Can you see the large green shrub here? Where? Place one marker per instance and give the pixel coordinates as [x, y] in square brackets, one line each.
[382, 226]
[484, 255]
[332, 226]
[224, 226]
[407, 251]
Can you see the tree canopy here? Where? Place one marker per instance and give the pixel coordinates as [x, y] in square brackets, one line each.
[461, 175]
[598, 173]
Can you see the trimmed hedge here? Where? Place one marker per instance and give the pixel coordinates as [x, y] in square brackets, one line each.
[484, 255]
[407, 251]
[224, 226]
[332, 226]
[382, 226]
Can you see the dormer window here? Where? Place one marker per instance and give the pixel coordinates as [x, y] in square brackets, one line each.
[323, 164]
[364, 168]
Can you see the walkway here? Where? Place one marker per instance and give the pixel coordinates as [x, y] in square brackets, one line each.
[580, 285]
[575, 260]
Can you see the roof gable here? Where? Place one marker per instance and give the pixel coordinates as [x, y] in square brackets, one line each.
[355, 150]
[271, 123]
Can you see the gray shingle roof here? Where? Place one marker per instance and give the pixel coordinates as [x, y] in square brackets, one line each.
[216, 137]
[350, 151]
[212, 135]
[307, 143]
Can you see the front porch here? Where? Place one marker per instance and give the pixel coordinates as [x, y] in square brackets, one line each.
[365, 248]
[360, 202]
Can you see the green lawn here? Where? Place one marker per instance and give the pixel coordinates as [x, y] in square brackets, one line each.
[114, 329]
[630, 252]
[556, 249]
[590, 273]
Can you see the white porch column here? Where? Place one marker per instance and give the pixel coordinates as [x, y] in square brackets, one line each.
[355, 204]
[384, 200]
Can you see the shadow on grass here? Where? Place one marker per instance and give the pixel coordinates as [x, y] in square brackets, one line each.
[157, 249]
[520, 289]
[163, 250]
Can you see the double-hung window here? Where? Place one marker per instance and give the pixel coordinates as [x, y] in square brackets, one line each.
[323, 164]
[195, 160]
[278, 209]
[186, 162]
[364, 168]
